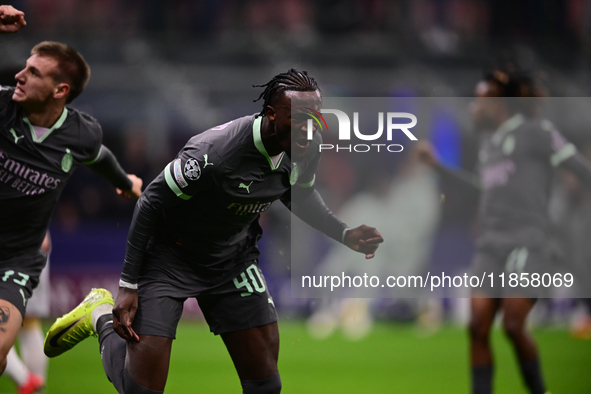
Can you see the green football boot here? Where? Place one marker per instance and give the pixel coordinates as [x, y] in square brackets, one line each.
[75, 326]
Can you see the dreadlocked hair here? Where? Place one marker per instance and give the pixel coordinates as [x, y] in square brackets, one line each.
[291, 80]
[520, 84]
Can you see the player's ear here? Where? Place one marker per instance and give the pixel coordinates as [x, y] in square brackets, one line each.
[271, 114]
[61, 91]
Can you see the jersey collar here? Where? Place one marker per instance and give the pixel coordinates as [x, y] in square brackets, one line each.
[507, 126]
[258, 142]
[58, 124]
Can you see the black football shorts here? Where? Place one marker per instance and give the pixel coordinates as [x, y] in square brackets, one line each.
[238, 303]
[516, 272]
[19, 275]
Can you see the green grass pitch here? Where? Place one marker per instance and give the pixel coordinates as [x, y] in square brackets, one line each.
[395, 358]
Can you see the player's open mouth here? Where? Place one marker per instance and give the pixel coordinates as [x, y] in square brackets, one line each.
[18, 90]
[302, 144]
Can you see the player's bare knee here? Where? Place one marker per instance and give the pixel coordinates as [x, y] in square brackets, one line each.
[6, 343]
[270, 385]
[478, 330]
[132, 387]
[149, 360]
[513, 328]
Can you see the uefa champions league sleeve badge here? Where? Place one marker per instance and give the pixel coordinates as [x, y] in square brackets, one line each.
[192, 169]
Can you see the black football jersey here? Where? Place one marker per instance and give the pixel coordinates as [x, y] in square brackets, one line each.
[516, 167]
[223, 179]
[34, 171]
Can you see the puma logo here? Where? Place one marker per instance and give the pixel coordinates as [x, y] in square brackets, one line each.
[16, 137]
[247, 187]
[206, 163]
[24, 298]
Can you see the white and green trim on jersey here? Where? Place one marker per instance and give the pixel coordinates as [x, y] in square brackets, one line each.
[172, 184]
[258, 142]
[309, 184]
[564, 153]
[86, 163]
[57, 125]
[506, 127]
[275, 162]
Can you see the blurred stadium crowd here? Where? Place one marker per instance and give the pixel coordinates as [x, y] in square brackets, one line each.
[165, 70]
[537, 21]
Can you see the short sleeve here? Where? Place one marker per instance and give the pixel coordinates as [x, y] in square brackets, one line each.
[195, 169]
[91, 139]
[553, 145]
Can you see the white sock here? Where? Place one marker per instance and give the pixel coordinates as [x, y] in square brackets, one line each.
[15, 368]
[100, 310]
[31, 347]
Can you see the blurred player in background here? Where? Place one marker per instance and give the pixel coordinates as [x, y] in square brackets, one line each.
[42, 142]
[29, 372]
[195, 233]
[518, 153]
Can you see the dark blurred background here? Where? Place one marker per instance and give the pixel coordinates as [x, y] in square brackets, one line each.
[163, 71]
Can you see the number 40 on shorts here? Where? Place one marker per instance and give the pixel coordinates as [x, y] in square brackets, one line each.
[256, 281]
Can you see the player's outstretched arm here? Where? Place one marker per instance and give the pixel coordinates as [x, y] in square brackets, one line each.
[310, 207]
[307, 204]
[136, 188]
[424, 152]
[107, 166]
[363, 239]
[564, 154]
[11, 19]
[124, 312]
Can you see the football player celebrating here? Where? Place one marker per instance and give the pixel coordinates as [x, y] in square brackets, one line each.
[194, 234]
[518, 153]
[42, 142]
